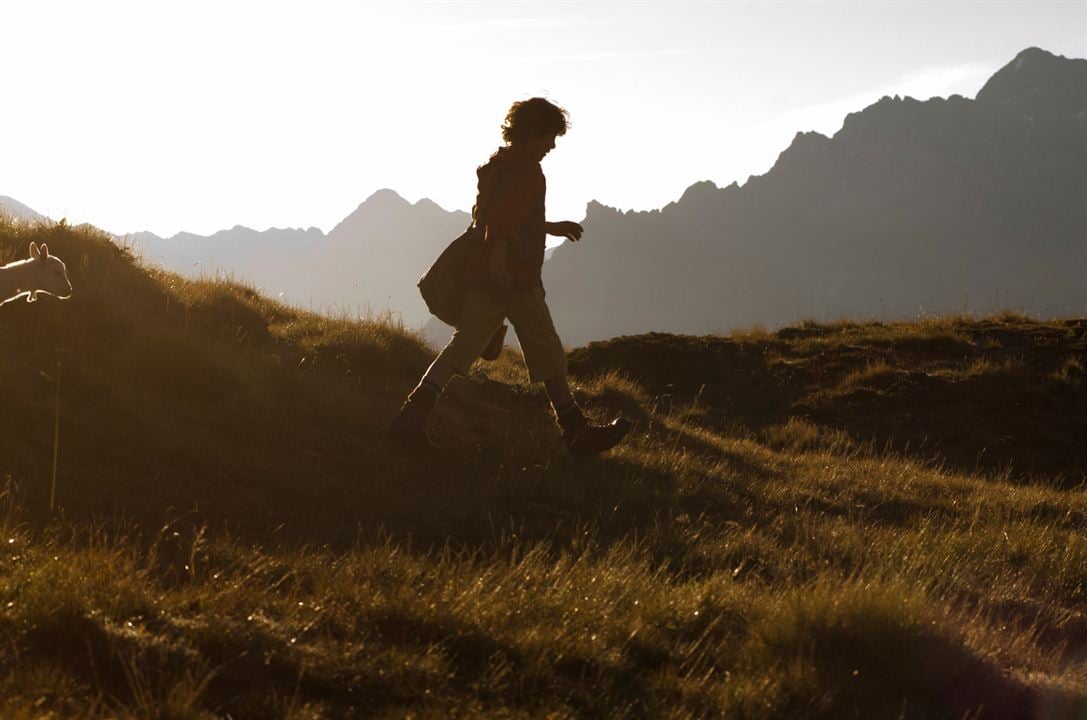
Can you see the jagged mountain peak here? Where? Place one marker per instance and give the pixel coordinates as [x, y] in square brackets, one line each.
[384, 197]
[806, 148]
[428, 204]
[385, 210]
[1033, 71]
[596, 208]
[698, 194]
[386, 200]
[700, 191]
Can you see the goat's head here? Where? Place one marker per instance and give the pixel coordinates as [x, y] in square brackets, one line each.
[50, 274]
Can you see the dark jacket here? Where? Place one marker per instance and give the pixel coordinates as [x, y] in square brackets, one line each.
[516, 212]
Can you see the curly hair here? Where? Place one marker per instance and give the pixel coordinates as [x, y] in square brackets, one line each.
[535, 117]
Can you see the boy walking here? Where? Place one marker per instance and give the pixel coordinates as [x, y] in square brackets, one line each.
[504, 282]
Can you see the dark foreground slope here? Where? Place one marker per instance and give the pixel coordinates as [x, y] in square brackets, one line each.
[186, 394]
[259, 552]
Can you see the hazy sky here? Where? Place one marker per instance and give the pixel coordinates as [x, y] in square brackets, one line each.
[198, 116]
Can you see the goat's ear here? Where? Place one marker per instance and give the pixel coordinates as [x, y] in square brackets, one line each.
[45, 251]
[34, 250]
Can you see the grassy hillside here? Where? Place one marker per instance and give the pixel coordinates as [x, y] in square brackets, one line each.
[1001, 395]
[235, 538]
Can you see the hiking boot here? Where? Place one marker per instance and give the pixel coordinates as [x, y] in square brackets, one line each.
[592, 440]
[584, 440]
[407, 428]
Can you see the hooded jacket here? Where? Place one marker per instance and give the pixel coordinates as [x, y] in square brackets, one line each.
[510, 203]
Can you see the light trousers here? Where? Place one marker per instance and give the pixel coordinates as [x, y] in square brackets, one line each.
[527, 311]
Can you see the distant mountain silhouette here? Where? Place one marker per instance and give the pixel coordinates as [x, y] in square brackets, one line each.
[268, 259]
[369, 262]
[947, 204]
[15, 209]
[375, 256]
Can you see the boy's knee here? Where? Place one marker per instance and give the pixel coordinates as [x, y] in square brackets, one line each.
[465, 347]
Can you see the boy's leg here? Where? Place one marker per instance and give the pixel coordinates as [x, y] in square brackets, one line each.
[545, 359]
[558, 391]
[479, 320]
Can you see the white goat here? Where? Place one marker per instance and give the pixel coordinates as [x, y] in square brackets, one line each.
[41, 272]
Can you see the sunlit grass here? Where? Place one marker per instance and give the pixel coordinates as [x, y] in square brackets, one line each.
[767, 581]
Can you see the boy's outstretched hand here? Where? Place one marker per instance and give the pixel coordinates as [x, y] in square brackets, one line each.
[567, 229]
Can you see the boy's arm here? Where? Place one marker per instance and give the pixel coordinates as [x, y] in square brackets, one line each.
[567, 228]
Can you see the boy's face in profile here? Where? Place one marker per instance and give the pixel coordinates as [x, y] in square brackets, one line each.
[539, 146]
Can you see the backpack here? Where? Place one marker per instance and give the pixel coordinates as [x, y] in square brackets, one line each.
[444, 285]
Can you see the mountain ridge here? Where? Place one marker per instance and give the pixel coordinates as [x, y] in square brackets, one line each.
[947, 204]
[285, 262]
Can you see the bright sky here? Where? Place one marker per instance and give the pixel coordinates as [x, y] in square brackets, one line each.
[198, 116]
